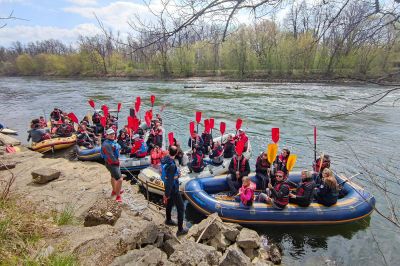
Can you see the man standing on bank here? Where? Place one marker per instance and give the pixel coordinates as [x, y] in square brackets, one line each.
[172, 196]
[110, 153]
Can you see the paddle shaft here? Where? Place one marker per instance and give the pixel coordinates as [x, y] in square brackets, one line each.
[315, 143]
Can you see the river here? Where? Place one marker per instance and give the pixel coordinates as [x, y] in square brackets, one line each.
[373, 134]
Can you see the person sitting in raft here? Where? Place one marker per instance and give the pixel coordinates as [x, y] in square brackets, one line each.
[277, 195]
[304, 192]
[262, 170]
[238, 168]
[155, 137]
[56, 114]
[179, 153]
[217, 154]
[195, 141]
[328, 192]
[139, 148]
[320, 167]
[124, 142]
[197, 163]
[85, 138]
[156, 155]
[38, 134]
[65, 129]
[242, 137]
[42, 122]
[246, 192]
[280, 163]
[229, 147]
[207, 141]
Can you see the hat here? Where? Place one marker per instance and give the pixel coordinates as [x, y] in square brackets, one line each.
[136, 136]
[241, 130]
[110, 131]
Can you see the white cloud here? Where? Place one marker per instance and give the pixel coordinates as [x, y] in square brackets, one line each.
[83, 2]
[25, 34]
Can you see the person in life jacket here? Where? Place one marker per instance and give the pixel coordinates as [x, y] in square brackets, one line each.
[171, 195]
[124, 142]
[42, 122]
[179, 154]
[305, 190]
[197, 163]
[280, 163]
[56, 114]
[246, 192]
[195, 141]
[242, 137]
[139, 148]
[156, 156]
[328, 192]
[262, 170]
[38, 134]
[238, 168]
[277, 195]
[207, 141]
[217, 154]
[155, 137]
[85, 138]
[66, 129]
[110, 153]
[319, 167]
[229, 147]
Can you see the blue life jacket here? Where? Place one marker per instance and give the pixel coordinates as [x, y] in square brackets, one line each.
[115, 149]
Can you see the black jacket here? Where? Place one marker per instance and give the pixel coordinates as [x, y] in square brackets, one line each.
[243, 172]
[229, 149]
[171, 186]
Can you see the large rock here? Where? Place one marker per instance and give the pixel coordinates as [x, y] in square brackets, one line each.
[169, 246]
[231, 231]
[275, 254]
[251, 253]
[191, 253]
[45, 175]
[219, 242]
[149, 255]
[248, 239]
[104, 211]
[137, 234]
[212, 226]
[234, 256]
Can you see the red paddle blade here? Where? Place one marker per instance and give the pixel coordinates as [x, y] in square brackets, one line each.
[151, 114]
[91, 103]
[239, 147]
[152, 100]
[171, 138]
[198, 117]
[207, 126]
[222, 127]
[73, 118]
[148, 120]
[191, 127]
[135, 124]
[119, 107]
[212, 123]
[130, 122]
[105, 110]
[275, 134]
[137, 104]
[103, 121]
[239, 123]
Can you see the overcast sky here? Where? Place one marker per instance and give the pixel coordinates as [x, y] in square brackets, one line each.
[66, 19]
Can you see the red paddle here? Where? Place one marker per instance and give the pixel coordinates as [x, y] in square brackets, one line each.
[207, 126]
[275, 134]
[103, 121]
[135, 124]
[152, 100]
[315, 143]
[130, 122]
[239, 147]
[105, 110]
[137, 104]
[171, 138]
[198, 119]
[191, 127]
[91, 103]
[238, 124]
[119, 107]
[147, 120]
[73, 118]
[212, 124]
[222, 128]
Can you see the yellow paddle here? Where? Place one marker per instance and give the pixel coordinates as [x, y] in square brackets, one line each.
[291, 162]
[272, 152]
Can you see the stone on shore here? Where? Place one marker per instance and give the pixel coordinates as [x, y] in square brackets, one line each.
[211, 229]
[191, 253]
[234, 256]
[104, 211]
[148, 255]
[248, 239]
[275, 254]
[45, 175]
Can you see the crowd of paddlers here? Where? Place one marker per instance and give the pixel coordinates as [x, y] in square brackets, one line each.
[139, 139]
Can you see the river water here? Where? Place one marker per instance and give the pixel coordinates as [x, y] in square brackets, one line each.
[374, 135]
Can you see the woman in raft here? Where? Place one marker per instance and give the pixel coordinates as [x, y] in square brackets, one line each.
[328, 192]
[246, 192]
[304, 192]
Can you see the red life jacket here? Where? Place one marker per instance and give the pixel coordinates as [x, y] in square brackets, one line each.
[285, 199]
[242, 164]
[156, 157]
[199, 160]
[300, 190]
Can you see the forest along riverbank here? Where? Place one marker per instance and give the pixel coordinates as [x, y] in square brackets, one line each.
[71, 203]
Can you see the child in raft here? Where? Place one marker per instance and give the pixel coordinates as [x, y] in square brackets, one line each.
[277, 195]
[246, 192]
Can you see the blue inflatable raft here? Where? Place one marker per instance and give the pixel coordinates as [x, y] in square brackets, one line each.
[85, 154]
[203, 195]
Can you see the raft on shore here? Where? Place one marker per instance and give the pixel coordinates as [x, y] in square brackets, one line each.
[53, 144]
[85, 154]
[205, 196]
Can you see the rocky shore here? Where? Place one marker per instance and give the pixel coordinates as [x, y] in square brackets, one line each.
[108, 233]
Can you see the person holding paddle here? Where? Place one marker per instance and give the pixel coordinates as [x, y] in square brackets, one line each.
[263, 170]
[304, 192]
[242, 137]
[277, 195]
[238, 168]
[229, 147]
[197, 163]
[195, 141]
[280, 162]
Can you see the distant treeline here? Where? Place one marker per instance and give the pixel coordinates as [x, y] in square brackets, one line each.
[302, 48]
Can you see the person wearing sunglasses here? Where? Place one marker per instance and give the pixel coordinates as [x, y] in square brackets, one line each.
[277, 195]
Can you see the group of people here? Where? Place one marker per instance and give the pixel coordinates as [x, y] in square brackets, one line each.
[320, 185]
